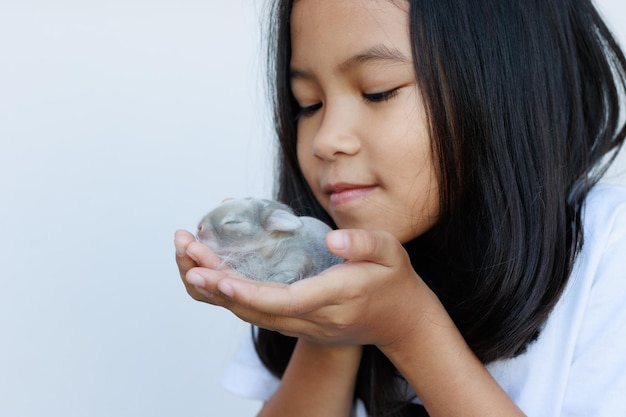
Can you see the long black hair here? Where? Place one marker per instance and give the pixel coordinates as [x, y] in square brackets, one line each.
[523, 103]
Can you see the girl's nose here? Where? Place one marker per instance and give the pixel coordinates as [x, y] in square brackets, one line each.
[337, 134]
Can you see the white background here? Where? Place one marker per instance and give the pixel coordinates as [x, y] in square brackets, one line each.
[121, 121]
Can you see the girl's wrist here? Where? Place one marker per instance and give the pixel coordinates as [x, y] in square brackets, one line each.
[423, 330]
[346, 355]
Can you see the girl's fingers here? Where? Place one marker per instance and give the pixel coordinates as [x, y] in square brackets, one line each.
[332, 287]
[204, 256]
[292, 300]
[182, 239]
[258, 303]
[266, 298]
[288, 325]
[364, 245]
[189, 255]
[303, 311]
[187, 247]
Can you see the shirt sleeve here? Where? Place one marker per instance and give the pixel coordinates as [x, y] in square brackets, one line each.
[246, 375]
[597, 380]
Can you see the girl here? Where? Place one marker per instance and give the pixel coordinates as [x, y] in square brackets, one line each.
[456, 146]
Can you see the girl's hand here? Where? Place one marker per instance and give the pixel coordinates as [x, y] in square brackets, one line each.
[203, 257]
[373, 298]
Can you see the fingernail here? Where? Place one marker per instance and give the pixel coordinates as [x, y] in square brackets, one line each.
[337, 240]
[226, 289]
[204, 292]
[195, 280]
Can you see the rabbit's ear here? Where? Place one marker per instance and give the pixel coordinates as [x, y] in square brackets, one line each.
[282, 221]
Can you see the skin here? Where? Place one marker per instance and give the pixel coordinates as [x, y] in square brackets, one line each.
[368, 162]
[363, 143]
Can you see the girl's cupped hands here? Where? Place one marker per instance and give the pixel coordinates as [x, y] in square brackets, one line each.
[375, 297]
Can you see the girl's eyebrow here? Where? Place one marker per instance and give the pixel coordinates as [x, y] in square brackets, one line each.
[378, 53]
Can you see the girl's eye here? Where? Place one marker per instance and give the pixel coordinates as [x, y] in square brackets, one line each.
[380, 97]
[308, 111]
[369, 98]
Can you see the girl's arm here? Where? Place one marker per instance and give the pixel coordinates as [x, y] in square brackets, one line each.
[320, 378]
[319, 381]
[374, 298]
[442, 369]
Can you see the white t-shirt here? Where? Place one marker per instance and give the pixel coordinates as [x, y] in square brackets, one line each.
[577, 367]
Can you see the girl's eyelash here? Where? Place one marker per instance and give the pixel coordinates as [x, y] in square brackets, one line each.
[308, 110]
[380, 97]
[369, 98]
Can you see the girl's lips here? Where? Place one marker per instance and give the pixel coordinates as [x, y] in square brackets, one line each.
[347, 193]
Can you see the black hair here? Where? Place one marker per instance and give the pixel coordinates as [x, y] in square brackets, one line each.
[523, 104]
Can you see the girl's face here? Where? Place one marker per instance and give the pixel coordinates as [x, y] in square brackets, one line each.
[363, 142]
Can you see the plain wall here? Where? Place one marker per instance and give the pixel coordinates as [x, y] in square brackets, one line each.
[121, 121]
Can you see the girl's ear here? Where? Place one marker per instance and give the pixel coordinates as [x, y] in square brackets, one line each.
[282, 221]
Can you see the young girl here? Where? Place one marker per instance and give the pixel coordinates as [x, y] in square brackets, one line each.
[456, 147]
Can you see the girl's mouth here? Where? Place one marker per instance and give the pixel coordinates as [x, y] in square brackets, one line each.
[342, 193]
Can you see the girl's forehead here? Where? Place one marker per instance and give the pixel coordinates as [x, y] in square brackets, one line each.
[344, 27]
[357, 9]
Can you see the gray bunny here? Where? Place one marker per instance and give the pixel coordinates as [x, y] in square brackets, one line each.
[264, 240]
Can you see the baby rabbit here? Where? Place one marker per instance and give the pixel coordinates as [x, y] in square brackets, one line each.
[264, 240]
